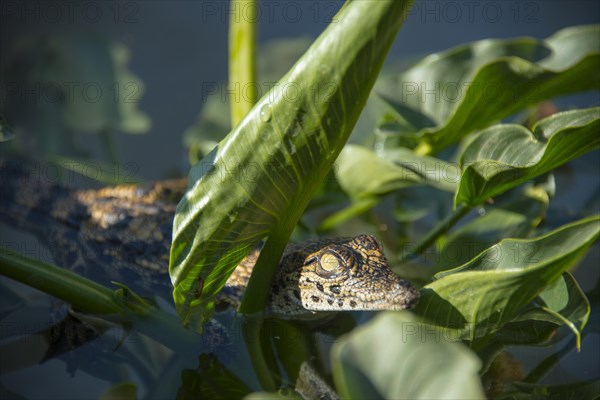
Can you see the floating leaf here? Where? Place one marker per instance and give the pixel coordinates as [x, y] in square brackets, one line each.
[504, 156]
[405, 365]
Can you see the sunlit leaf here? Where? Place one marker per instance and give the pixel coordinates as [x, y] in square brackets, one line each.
[413, 362]
[450, 94]
[259, 179]
[481, 296]
[503, 156]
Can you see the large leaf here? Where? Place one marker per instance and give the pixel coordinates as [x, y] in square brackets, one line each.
[405, 365]
[395, 169]
[450, 94]
[478, 298]
[503, 156]
[561, 303]
[259, 179]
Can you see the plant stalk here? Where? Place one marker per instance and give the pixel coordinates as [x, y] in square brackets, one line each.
[86, 296]
[257, 290]
[242, 70]
[440, 229]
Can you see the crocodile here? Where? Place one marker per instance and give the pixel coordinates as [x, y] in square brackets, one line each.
[123, 233]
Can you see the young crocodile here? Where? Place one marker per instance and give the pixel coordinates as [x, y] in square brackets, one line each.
[123, 233]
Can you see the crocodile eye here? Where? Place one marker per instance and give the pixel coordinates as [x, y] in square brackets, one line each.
[329, 265]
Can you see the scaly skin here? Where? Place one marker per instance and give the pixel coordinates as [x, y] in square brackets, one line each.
[123, 233]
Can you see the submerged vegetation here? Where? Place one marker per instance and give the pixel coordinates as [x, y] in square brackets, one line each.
[452, 163]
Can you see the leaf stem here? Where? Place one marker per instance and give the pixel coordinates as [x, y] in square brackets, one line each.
[83, 294]
[440, 229]
[242, 76]
[259, 285]
[259, 354]
[88, 296]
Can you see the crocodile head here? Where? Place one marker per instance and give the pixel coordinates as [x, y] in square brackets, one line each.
[339, 275]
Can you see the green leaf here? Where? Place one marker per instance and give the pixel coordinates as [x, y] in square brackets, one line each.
[411, 363]
[381, 177]
[562, 302]
[504, 156]
[480, 297]
[260, 178]
[394, 170]
[451, 94]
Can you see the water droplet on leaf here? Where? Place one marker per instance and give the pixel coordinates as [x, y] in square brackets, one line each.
[265, 113]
